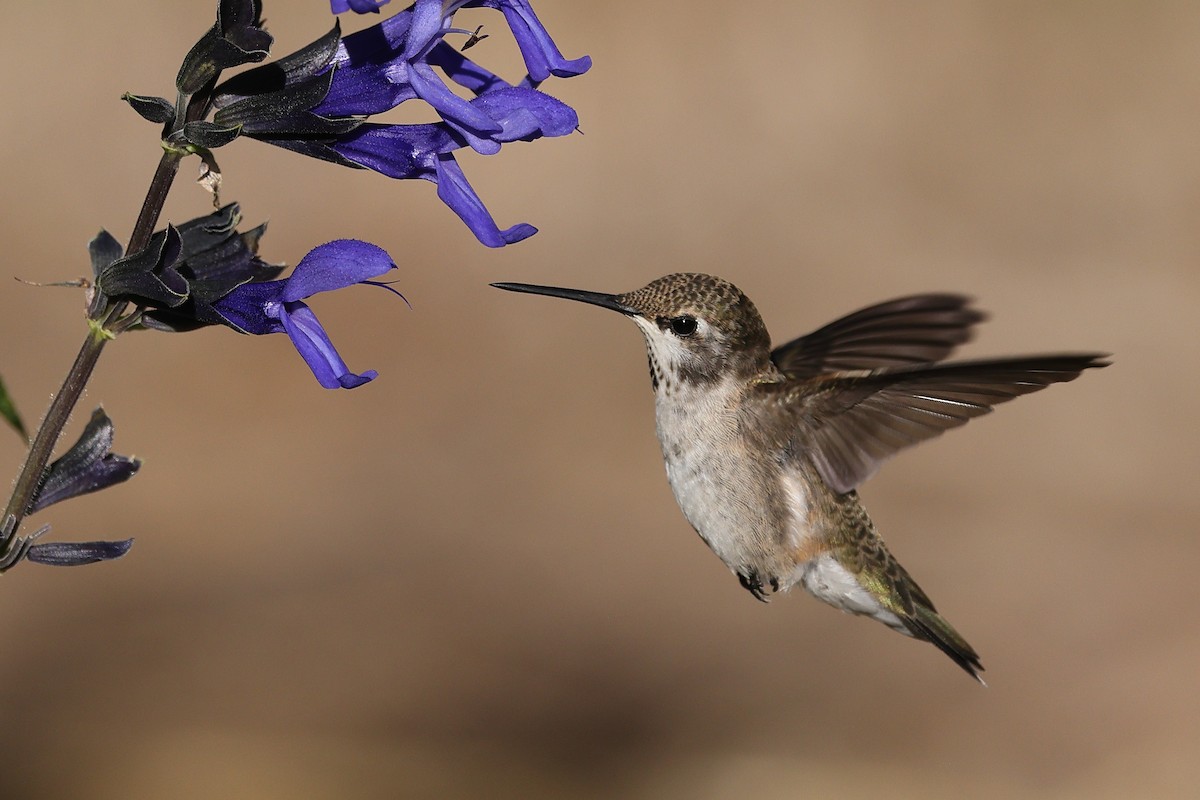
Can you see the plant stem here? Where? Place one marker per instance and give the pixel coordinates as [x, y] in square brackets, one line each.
[143, 229]
[52, 425]
[98, 334]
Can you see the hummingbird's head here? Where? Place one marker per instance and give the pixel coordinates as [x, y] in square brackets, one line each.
[698, 328]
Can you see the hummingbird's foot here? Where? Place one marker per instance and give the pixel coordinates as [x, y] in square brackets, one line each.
[752, 583]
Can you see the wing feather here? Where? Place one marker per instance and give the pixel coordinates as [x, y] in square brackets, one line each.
[848, 425]
[918, 329]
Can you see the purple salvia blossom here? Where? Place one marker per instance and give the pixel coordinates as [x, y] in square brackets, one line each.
[424, 151]
[317, 101]
[278, 307]
[383, 66]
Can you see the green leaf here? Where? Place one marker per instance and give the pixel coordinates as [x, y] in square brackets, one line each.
[9, 411]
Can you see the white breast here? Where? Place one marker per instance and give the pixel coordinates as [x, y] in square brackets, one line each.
[697, 429]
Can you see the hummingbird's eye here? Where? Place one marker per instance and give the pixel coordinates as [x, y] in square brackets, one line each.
[683, 326]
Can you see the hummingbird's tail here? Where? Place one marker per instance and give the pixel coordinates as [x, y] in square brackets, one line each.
[927, 624]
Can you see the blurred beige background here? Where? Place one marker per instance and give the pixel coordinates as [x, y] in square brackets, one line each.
[469, 579]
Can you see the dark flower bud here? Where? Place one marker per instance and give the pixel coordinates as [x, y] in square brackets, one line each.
[237, 38]
[89, 466]
[154, 109]
[104, 250]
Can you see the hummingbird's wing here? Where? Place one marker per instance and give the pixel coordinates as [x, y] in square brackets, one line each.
[919, 329]
[848, 424]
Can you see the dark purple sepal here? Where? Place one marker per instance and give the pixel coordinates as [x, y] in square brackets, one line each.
[286, 112]
[293, 98]
[215, 259]
[76, 554]
[153, 109]
[241, 22]
[88, 466]
[148, 277]
[308, 61]
[209, 135]
[103, 249]
[322, 149]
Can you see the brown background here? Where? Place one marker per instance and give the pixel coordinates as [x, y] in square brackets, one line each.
[469, 579]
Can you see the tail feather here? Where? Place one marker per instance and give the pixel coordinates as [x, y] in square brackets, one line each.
[928, 625]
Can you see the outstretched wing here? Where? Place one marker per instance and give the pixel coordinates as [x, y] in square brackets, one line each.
[848, 425]
[920, 329]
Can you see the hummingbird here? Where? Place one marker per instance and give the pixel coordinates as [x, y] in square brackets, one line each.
[765, 448]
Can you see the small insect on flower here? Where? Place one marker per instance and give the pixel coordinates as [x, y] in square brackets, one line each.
[474, 39]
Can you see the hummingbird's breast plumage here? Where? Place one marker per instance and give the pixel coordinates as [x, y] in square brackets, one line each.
[749, 506]
[763, 512]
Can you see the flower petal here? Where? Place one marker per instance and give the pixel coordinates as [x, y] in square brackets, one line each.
[456, 192]
[253, 308]
[450, 106]
[398, 151]
[426, 27]
[526, 114]
[367, 80]
[315, 347]
[335, 265]
[542, 56]
[357, 6]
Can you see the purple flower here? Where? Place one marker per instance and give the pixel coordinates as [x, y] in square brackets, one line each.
[278, 307]
[389, 63]
[316, 101]
[89, 466]
[357, 6]
[542, 56]
[425, 151]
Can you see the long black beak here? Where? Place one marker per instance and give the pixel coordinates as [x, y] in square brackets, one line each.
[608, 301]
